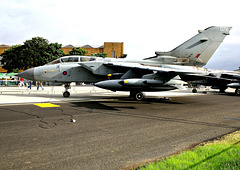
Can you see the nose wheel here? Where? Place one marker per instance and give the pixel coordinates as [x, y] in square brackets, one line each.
[66, 93]
[194, 90]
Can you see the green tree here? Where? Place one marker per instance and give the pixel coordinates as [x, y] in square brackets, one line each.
[32, 53]
[11, 58]
[99, 54]
[78, 51]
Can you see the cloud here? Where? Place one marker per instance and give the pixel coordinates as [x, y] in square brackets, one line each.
[227, 56]
[143, 26]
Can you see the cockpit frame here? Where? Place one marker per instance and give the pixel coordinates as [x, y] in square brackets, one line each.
[72, 59]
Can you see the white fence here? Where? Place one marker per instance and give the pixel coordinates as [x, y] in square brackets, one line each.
[49, 89]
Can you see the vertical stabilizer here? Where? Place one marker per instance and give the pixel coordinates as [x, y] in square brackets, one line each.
[199, 49]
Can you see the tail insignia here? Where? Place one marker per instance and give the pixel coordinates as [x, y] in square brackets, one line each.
[197, 55]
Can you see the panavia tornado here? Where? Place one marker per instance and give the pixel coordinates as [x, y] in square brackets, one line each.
[158, 73]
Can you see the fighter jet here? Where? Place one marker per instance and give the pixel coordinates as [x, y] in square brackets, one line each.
[217, 79]
[158, 73]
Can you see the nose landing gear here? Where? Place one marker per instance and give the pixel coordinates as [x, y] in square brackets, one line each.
[66, 93]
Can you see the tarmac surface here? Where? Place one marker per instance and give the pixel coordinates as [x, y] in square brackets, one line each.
[98, 129]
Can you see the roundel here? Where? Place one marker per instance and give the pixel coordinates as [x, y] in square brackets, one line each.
[65, 73]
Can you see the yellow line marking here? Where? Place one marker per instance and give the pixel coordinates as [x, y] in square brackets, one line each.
[43, 105]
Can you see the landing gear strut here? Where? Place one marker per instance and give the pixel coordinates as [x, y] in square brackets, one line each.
[222, 90]
[66, 93]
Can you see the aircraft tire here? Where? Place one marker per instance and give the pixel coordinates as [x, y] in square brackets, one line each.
[194, 90]
[139, 96]
[237, 92]
[66, 94]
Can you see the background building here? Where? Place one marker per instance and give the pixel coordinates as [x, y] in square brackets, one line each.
[2, 48]
[113, 50]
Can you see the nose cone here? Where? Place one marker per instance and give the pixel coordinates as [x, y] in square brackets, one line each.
[109, 84]
[100, 84]
[27, 74]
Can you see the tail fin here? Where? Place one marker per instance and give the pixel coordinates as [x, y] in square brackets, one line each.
[197, 50]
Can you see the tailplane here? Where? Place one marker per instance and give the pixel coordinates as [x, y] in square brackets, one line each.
[195, 51]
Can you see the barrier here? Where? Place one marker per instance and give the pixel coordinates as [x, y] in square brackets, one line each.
[8, 82]
[50, 89]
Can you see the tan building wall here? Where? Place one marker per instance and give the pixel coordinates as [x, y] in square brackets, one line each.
[113, 49]
[90, 50]
[2, 70]
[93, 50]
[3, 47]
[66, 50]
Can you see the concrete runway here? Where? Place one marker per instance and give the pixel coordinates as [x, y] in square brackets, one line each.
[111, 130]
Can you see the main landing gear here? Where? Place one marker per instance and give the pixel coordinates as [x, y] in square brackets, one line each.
[66, 93]
[237, 92]
[222, 90]
[194, 90]
[137, 95]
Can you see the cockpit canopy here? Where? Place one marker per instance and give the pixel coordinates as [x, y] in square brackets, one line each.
[71, 59]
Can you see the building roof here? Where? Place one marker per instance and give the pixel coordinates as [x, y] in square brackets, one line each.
[87, 46]
[4, 46]
[68, 46]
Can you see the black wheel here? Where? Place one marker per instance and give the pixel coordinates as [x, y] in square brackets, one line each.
[194, 90]
[139, 96]
[237, 92]
[66, 94]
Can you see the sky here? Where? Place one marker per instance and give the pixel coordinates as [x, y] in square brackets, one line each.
[143, 26]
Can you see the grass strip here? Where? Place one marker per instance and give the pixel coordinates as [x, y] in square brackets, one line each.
[223, 153]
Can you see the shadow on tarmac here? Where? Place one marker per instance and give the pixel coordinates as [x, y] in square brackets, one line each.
[101, 107]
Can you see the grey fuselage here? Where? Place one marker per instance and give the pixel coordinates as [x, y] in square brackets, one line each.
[89, 71]
[64, 71]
